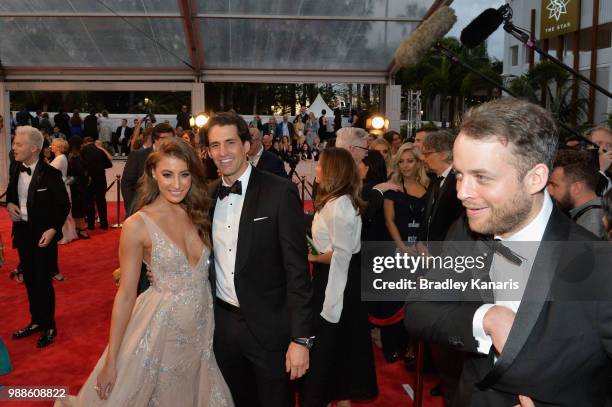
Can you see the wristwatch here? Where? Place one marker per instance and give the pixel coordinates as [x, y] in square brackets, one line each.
[307, 342]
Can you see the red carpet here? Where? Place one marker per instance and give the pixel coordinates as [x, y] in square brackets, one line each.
[83, 309]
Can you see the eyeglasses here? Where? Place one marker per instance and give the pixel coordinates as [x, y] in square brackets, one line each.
[361, 148]
[427, 153]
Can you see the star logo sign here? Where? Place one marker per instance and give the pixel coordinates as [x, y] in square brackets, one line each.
[557, 8]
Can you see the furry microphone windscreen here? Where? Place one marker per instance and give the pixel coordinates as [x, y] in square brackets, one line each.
[412, 50]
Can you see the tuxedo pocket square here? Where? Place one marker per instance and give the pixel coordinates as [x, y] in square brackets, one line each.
[258, 219]
[41, 190]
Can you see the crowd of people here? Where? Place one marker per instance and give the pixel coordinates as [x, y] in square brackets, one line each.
[249, 323]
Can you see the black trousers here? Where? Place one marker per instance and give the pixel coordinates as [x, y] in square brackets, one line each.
[37, 264]
[120, 146]
[255, 376]
[96, 197]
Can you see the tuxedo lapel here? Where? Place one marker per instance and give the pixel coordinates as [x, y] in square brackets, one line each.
[445, 190]
[534, 298]
[249, 209]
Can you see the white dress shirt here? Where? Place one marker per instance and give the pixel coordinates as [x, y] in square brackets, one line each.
[122, 134]
[23, 185]
[225, 239]
[337, 227]
[501, 268]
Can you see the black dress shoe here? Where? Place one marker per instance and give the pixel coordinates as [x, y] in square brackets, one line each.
[47, 338]
[436, 391]
[27, 331]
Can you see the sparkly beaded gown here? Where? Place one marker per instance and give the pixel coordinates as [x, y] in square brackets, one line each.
[166, 357]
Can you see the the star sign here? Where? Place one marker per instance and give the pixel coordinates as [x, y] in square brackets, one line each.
[556, 8]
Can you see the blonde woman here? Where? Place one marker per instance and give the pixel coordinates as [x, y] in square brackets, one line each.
[59, 147]
[404, 209]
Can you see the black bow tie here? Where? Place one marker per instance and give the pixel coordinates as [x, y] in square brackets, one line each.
[504, 251]
[23, 168]
[236, 188]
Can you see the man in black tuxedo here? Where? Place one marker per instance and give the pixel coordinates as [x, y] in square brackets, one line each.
[443, 208]
[121, 137]
[537, 347]
[261, 280]
[38, 205]
[262, 159]
[134, 167]
[96, 161]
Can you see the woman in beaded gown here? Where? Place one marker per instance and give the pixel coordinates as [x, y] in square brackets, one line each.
[160, 347]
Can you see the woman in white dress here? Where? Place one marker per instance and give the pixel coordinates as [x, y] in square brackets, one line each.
[59, 147]
[160, 346]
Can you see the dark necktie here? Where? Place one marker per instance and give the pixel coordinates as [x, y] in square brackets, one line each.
[236, 188]
[23, 168]
[504, 251]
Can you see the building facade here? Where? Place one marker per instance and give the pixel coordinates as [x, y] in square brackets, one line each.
[587, 48]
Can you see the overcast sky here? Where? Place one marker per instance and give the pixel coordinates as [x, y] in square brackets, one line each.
[466, 11]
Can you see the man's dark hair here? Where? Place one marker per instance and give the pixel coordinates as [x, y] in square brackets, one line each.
[528, 129]
[577, 167]
[162, 128]
[88, 140]
[440, 141]
[388, 135]
[226, 119]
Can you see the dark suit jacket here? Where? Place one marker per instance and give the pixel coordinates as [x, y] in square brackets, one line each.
[272, 278]
[134, 168]
[117, 134]
[48, 203]
[271, 163]
[90, 127]
[558, 352]
[23, 118]
[439, 216]
[96, 162]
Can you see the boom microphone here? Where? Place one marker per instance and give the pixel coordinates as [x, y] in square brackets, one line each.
[412, 50]
[483, 26]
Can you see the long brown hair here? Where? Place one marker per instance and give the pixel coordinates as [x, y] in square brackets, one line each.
[197, 202]
[339, 177]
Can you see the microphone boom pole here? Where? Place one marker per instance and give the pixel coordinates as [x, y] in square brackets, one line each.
[524, 37]
[455, 58]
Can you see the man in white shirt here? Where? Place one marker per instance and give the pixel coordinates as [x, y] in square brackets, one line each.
[263, 310]
[523, 349]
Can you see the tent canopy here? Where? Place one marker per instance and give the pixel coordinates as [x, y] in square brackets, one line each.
[319, 105]
[199, 37]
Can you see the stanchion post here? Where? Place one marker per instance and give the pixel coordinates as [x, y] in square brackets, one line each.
[118, 186]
